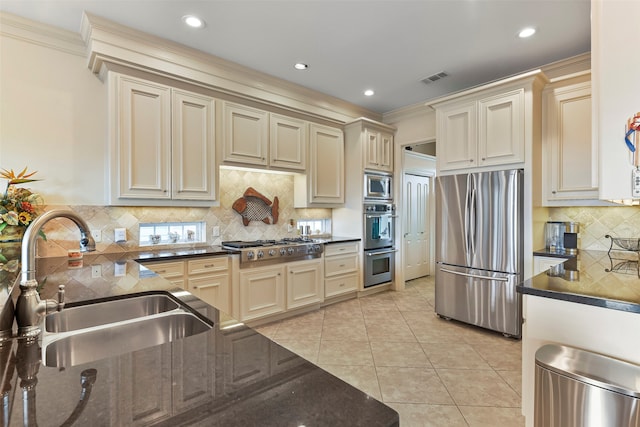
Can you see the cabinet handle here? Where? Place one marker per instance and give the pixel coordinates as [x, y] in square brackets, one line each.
[161, 271]
[209, 265]
[553, 192]
[483, 159]
[341, 265]
[207, 286]
[470, 160]
[341, 285]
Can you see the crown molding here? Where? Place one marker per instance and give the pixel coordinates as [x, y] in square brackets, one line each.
[40, 34]
[410, 111]
[109, 42]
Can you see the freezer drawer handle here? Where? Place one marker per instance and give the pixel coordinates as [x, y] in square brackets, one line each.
[381, 252]
[476, 276]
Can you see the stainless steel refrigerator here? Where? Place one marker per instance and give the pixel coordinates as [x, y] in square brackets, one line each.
[479, 245]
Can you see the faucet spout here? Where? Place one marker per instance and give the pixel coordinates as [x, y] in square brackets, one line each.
[29, 307]
[87, 244]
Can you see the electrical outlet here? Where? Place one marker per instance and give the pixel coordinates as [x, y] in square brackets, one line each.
[216, 231]
[96, 271]
[120, 235]
[635, 185]
[97, 235]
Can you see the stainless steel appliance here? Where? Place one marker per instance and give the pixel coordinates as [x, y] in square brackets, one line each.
[379, 225]
[265, 252]
[379, 243]
[378, 186]
[479, 249]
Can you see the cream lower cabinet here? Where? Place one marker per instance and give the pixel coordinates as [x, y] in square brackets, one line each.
[262, 292]
[569, 155]
[305, 283]
[341, 268]
[209, 279]
[162, 144]
[266, 291]
[173, 271]
[543, 263]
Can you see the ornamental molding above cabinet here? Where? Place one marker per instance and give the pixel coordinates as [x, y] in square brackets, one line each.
[109, 42]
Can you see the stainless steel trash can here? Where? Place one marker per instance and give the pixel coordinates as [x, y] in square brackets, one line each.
[577, 388]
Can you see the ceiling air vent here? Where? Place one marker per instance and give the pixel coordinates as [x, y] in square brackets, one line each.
[434, 77]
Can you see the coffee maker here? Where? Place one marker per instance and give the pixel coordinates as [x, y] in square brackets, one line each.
[562, 237]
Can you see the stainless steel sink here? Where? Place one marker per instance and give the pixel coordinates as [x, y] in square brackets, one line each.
[96, 331]
[87, 316]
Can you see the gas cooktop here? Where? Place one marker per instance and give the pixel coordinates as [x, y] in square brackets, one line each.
[261, 252]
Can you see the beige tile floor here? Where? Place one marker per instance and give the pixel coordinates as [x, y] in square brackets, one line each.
[392, 346]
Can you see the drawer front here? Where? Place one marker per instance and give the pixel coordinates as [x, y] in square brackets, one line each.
[341, 248]
[341, 265]
[340, 285]
[167, 269]
[207, 265]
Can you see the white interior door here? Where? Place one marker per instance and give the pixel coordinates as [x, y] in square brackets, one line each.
[415, 218]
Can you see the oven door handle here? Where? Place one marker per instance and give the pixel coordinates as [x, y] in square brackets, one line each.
[380, 216]
[390, 251]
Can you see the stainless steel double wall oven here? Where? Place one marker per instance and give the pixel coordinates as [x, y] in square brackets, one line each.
[379, 243]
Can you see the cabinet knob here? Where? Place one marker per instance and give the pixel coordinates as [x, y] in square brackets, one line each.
[470, 160]
[553, 192]
[483, 159]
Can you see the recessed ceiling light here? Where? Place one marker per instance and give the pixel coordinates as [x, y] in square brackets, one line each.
[369, 92]
[300, 66]
[193, 21]
[526, 32]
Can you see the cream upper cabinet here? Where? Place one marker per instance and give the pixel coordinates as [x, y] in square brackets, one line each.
[378, 150]
[268, 140]
[323, 185]
[288, 142]
[478, 131]
[570, 158]
[162, 143]
[501, 128]
[246, 134]
[616, 99]
[457, 136]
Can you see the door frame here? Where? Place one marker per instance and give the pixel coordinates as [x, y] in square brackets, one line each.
[402, 167]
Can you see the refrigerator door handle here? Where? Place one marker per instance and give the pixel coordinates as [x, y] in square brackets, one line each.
[467, 219]
[474, 220]
[475, 276]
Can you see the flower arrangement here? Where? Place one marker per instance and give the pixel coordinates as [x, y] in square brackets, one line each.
[18, 205]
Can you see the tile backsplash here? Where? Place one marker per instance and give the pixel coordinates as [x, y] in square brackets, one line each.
[596, 222]
[63, 235]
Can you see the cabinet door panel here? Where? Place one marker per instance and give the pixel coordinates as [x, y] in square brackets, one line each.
[246, 134]
[304, 283]
[371, 139]
[193, 371]
[193, 146]
[386, 152]
[144, 116]
[570, 158]
[456, 136]
[262, 292]
[327, 165]
[288, 142]
[212, 289]
[501, 129]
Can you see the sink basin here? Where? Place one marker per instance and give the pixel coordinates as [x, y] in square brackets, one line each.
[87, 316]
[86, 333]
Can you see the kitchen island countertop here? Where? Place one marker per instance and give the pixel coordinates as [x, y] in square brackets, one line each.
[230, 375]
[598, 278]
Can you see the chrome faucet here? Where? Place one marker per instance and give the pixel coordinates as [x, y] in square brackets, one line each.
[29, 307]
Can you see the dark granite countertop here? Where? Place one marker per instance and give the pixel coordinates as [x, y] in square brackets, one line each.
[229, 375]
[598, 278]
[554, 254]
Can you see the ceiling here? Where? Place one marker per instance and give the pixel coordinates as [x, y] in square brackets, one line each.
[388, 46]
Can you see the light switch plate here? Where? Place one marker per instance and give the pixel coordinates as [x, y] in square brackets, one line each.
[120, 235]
